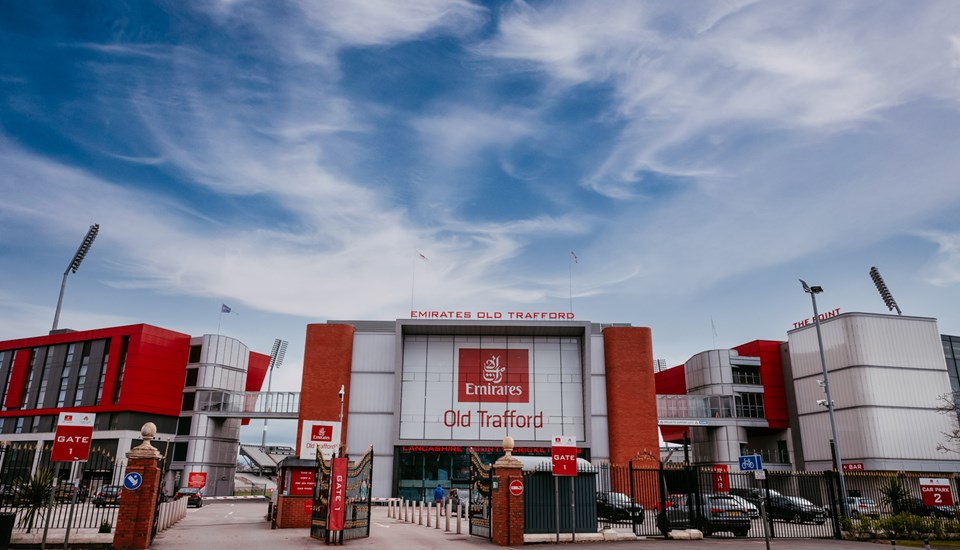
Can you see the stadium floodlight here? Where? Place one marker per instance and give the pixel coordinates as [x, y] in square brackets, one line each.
[884, 291]
[825, 383]
[74, 265]
[276, 359]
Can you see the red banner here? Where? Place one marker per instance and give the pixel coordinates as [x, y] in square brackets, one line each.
[721, 478]
[338, 494]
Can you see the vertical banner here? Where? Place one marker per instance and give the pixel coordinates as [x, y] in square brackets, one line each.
[721, 478]
[338, 494]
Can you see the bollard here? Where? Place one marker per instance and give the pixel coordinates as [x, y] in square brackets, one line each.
[926, 544]
[447, 508]
[419, 512]
[459, 511]
[429, 510]
[406, 511]
[437, 526]
[893, 543]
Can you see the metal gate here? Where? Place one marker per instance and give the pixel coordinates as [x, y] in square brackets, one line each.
[359, 490]
[479, 503]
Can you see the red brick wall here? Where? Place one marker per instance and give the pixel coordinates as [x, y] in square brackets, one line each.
[135, 517]
[506, 514]
[327, 356]
[631, 393]
[294, 512]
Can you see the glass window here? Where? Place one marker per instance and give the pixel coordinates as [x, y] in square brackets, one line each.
[124, 347]
[194, 354]
[19, 428]
[191, 381]
[183, 425]
[44, 375]
[103, 370]
[188, 401]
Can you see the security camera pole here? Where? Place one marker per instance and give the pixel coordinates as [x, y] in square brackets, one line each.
[342, 434]
[74, 265]
[838, 461]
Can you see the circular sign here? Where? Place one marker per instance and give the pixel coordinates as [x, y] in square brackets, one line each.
[516, 487]
[132, 481]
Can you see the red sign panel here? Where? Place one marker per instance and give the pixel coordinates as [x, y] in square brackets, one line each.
[308, 507]
[301, 483]
[936, 491]
[721, 478]
[197, 480]
[564, 456]
[71, 443]
[516, 487]
[338, 494]
[852, 466]
[494, 376]
[321, 432]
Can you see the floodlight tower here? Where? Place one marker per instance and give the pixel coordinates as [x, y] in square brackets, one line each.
[883, 290]
[74, 265]
[276, 359]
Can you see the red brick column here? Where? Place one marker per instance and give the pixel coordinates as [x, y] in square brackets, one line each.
[506, 514]
[135, 517]
[327, 358]
[631, 393]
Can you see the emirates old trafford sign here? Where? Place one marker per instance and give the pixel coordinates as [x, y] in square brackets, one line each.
[71, 442]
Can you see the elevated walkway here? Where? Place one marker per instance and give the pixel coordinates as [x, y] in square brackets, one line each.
[251, 404]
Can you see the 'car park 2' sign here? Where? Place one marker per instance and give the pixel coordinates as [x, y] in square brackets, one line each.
[936, 491]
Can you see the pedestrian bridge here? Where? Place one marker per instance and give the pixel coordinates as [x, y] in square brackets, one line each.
[675, 410]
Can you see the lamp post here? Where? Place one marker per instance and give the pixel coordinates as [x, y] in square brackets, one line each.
[74, 265]
[276, 359]
[837, 456]
[342, 434]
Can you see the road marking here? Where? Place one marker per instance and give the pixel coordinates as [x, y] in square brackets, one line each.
[383, 525]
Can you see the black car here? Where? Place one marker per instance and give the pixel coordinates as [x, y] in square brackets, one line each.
[192, 494]
[109, 495]
[795, 509]
[10, 495]
[753, 496]
[67, 491]
[618, 508]
[917, 507]
[711, 513]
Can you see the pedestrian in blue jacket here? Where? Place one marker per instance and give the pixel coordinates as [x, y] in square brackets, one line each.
[438, 495]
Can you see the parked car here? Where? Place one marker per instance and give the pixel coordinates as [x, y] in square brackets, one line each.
[192, 494]
[618, 508]
[719, 512]
[795, 509]
[858, 507]
[750, 507]
[9, 495]
[753, 495]
[916, 507]
[66, 491]
[108, 495]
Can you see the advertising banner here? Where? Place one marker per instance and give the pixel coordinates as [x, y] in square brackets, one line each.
[473, 388]
[338, 494]
[319, 434]
[71, 442]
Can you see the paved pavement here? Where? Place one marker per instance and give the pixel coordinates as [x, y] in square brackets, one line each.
[239, 525]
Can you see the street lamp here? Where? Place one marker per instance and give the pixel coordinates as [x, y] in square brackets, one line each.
[74, 265]
[276, 359]
[837, 460]
[342, 434]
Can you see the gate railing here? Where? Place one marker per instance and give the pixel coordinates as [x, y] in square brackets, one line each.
[479, 505]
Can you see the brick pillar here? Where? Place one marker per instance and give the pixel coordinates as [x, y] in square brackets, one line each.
[327, 358]
[631, 393]
[135, 518]
[506, 515]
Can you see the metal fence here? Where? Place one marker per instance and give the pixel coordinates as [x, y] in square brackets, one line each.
[85, 495]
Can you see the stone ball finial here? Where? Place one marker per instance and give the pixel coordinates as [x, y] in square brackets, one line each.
[148, 430]
[508, 460]
[508, 445]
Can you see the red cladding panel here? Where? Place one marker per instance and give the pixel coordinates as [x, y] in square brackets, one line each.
[257, 365]
[631, 393]
[672, 382]
[771, 375]
[18, 379]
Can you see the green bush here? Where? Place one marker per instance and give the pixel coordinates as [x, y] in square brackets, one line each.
[105, 526]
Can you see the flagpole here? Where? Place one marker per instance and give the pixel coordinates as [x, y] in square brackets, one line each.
[413, 280]
[219, 320]
[573, 259]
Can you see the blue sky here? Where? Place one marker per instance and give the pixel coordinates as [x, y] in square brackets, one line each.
[291, 159]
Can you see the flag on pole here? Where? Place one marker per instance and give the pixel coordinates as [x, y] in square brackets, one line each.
[576, 260]
[224, 308]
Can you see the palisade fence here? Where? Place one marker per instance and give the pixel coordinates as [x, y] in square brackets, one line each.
[27, 478]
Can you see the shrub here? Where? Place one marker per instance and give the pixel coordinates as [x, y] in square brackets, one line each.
[105, 526]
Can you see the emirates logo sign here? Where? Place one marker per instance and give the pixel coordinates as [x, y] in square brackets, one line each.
[321, 433]
[494, 376]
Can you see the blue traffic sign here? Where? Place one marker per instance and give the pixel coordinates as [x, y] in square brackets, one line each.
[132, 481]
[750, 462]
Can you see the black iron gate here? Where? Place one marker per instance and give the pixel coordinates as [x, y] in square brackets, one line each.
[479, 502]
[358, 498]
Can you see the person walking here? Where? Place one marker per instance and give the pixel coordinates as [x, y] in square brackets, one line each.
[438, 497]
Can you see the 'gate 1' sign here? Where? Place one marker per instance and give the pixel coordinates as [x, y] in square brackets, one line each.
[936, 491]
[564, 455]
[71, 442]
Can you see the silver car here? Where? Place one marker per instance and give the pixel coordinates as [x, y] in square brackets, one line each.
[859, 507]
[751, 509]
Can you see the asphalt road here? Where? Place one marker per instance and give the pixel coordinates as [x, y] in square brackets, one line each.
[239, 525]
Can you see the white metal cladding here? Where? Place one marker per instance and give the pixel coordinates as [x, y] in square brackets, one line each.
[370, 429]
[600, 446]
[867, 339]
[372, 392]
[374, 352]
[598, 364]
[886, 373]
